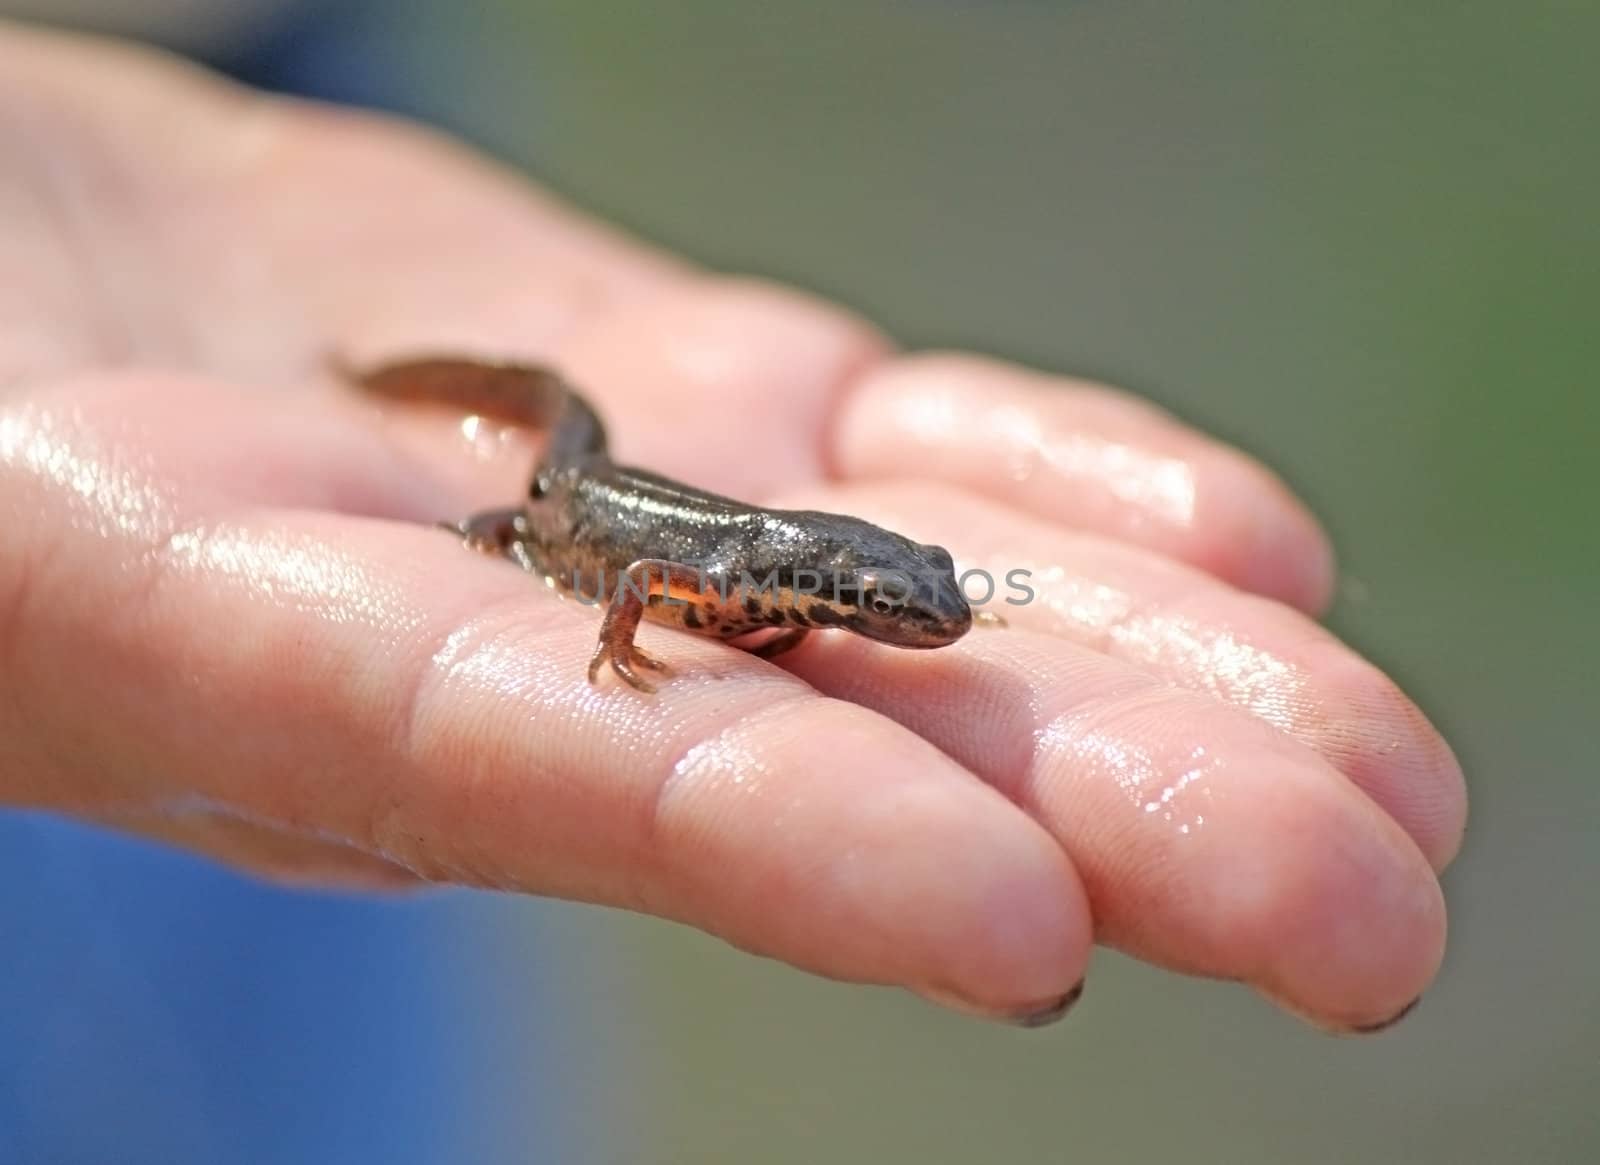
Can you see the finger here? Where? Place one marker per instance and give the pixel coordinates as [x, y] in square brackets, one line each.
[1187, 628]
[1086, 457]
[1208, 841]
[381, 687]
[727, 383]
[264, 851]
[269, 234]
[159, 214]
[730, 384]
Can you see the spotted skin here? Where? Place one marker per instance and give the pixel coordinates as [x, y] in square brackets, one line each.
[646, 547]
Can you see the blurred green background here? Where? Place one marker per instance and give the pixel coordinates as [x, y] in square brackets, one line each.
[1362, 241]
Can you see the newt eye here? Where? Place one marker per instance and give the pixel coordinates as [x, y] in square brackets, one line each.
[883, 592]
[880, 604]
[538, 487]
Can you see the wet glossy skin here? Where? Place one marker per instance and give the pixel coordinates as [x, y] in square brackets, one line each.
[647, 547]
[207, 639]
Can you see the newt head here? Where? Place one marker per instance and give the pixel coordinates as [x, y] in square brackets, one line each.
[900, 592]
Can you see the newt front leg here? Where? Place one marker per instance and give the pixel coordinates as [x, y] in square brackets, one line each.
[644, 579]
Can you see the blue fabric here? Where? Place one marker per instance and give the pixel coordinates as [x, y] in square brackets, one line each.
[156, 1008]
[336, 50]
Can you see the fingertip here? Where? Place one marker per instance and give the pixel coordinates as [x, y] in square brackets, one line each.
[878, 860]
[1355, 930]
[1375, 734]
[672, 373]
[1251, 530]
[979, 900]
[1088, 457]
[1022, 938]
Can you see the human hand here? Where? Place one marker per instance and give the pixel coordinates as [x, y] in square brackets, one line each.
[222, 625]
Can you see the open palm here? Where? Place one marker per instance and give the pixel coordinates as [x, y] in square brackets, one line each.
[224, 622]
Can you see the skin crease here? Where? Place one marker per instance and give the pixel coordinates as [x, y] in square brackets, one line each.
[223, 624]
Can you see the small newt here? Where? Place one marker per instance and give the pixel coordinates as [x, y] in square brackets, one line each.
[671, 553]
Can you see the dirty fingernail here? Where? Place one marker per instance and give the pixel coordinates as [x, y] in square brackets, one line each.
[1368, 1029]
[1050, 1013]
[1027, 1017]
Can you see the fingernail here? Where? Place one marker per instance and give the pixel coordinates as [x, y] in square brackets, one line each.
[1045, 1016]
[1368, 1029]
[1028, 1017]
